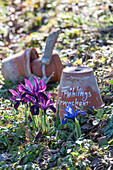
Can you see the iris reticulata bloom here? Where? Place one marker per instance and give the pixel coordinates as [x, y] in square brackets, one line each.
[35, 95]
[46, 103]
[70, 114]
[17, 96]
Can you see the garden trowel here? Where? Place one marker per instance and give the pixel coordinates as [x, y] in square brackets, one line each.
[46, 58]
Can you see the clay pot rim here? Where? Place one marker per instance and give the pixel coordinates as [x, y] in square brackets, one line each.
[78, 70]
[30, 54]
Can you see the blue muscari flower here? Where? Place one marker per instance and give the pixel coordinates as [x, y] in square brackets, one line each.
[70, 114]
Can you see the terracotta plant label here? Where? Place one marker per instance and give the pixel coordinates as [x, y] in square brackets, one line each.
[78, 87]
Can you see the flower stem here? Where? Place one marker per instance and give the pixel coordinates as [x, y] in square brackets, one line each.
[27, 121]
[41, 117]
[78, 130]
[57, 116]
[45, 122]
[34, 124]
[32, 116]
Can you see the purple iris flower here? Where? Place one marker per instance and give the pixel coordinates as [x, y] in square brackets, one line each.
[46, 102]
[70, 114]
[34, 109]
[33, 94]
[34, 91]
[23, 94]
[17, 96]
[41, 99]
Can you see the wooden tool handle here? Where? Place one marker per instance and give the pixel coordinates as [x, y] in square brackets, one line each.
[50, 43]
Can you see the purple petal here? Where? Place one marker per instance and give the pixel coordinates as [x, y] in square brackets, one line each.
[44, 87]
[28, 84]
[43, 96]
[17, 105]
[40, 83]
[20, 88]
[41, 86]
[24, 95]
[14, 92]
[29, 100]
[38, 105]
[48, 103]
[48, 95]
[51, 103]
[36, 82]
[52, 108]
[23, 101]
[34, 110]
[34, 90]
[12, 98]
[28, 93]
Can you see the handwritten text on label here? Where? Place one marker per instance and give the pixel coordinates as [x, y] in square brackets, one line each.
[80, 97]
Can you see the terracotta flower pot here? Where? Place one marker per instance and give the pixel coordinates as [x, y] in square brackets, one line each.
[28, 62]
[78, 86]
[19, 64]
[54, 66]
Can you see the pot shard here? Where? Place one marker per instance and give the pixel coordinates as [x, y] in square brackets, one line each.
[78, 87]
[19, 64]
